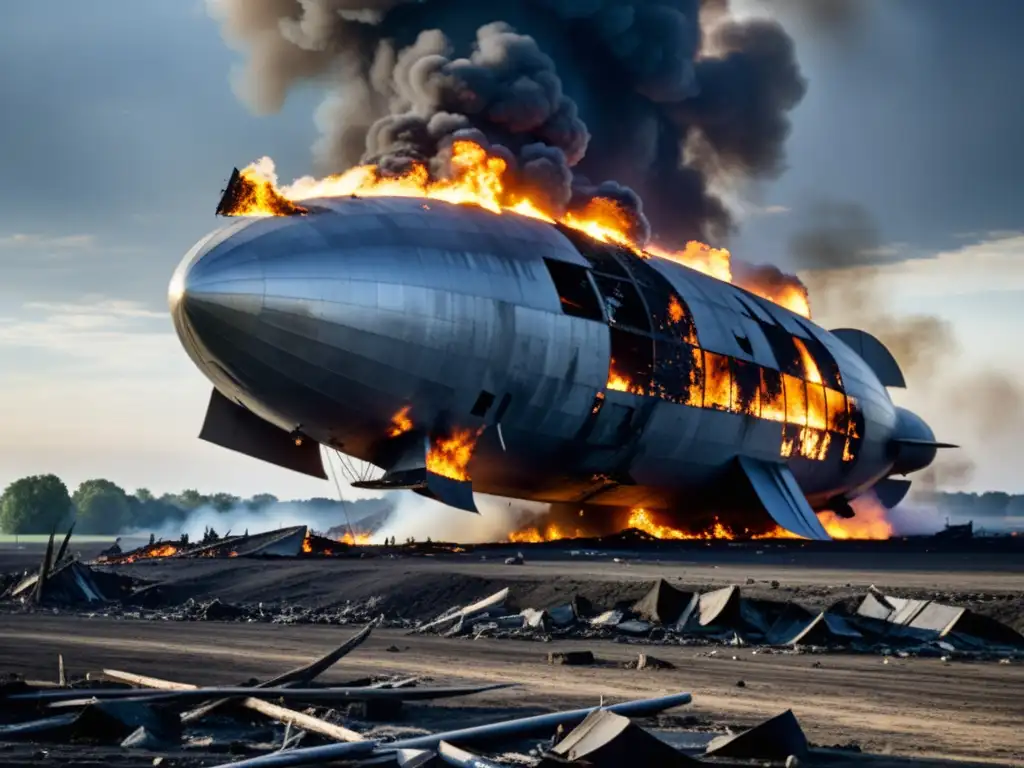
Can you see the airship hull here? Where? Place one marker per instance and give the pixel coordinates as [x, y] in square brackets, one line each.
[326, 325]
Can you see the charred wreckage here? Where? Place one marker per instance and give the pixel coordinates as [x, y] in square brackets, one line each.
[465, 350]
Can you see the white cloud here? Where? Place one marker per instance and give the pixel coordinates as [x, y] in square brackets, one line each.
[97, 336]
[35, 241]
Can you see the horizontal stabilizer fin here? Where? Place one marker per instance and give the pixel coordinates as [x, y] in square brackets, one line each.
[406, 460]
[782, 498]
[873, 352]
[454, 493]
[891, 491]
[925, 443]
[231, 426]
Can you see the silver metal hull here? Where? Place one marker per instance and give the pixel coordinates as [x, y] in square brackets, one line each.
[330, 323]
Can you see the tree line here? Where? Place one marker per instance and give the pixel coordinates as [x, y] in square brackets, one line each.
[989, 505]
[40, 503]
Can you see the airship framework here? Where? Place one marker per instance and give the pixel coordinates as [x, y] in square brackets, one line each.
[461, 350]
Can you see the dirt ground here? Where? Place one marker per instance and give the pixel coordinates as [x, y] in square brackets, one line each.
[916, 708]
[920, 708]
[422, 587]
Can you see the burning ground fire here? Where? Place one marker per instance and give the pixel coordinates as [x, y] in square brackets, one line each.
[479, 178]
[870, 523]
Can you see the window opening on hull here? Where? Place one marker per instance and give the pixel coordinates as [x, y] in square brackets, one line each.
[623, 304]
[796, 400]
[816, 415]
[575, 291]
[678, 373]
[746, 388]
[855, 436]
[632, 362]
[838, 418]
[818, 354]
[786, 353]
[718, 383]
[670, 316]
[600, 255]
[773, 396]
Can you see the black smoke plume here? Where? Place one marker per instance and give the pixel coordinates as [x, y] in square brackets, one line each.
[654, 94]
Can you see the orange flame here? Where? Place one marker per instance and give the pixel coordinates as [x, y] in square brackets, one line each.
[676, 313]
[307, 544]
[478, 178]
[870, 522]
[537, 535]
[165, 550]
[360, 539]
[715, 262]
[793, 296]
[620, 383]
[400, 423]
[450, 456]
[641, 520]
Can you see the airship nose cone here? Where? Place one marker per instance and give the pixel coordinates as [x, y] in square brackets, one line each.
[215, 296]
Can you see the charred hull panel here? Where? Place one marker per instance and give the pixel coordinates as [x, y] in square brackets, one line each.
[589, 374]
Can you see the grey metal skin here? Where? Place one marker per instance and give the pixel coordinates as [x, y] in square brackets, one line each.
[328, 324]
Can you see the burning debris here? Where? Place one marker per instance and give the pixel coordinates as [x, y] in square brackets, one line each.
[285, 542]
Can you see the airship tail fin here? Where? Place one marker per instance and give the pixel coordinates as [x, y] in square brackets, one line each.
[233, 427]
[873, 352]
[777, 489]
[891, 491]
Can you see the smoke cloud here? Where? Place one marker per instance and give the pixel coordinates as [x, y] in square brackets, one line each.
[844, 258]
[654, 94]
[320, 516]
[421, 518]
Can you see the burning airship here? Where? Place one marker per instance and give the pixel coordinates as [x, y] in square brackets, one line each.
[487, 348]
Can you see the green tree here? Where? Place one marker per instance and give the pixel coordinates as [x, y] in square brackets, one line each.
[191, 499]
[144, 494]
[262, 500]
[102, 507]
[34, 505]
[224, 502]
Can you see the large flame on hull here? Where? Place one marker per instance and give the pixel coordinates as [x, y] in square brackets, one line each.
[400, 423]
[479, 178]
[450, 456]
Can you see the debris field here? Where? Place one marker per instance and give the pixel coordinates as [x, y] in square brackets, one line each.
[392, 714]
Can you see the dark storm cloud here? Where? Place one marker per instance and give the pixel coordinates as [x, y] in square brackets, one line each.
[919, 121]
[578, 94]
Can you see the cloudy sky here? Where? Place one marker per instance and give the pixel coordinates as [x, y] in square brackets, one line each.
[118, 130]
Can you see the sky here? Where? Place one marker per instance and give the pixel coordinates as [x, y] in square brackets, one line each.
[116, 142]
